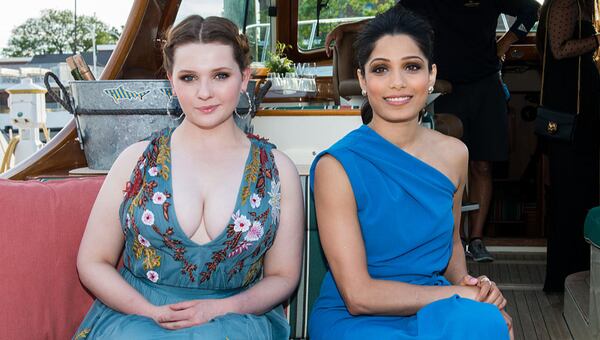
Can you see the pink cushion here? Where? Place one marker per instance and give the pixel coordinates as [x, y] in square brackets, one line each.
[41, 225]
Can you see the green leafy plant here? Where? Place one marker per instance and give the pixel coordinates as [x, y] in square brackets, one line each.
[278, 62]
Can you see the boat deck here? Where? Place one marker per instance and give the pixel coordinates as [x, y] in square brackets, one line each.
[536, 315]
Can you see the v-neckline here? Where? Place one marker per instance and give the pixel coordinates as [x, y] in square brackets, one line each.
[237, 206]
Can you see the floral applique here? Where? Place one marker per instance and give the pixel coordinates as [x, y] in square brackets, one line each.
[251, 171]
[178, 252]
[275, 198]
[143, 248]
[255, 232]
[250, 230]
[141, 192]
[163, 155]
[242, 234]
[152, 276]
[253, 272]
[132, 188]
[255, 201]
[257, 137]
[83, 334]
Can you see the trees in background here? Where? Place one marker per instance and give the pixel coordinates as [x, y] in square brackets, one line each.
[54, 32]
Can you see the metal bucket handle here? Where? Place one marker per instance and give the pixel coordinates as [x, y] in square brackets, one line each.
[65, 103]
[56, 96]
[260, 95]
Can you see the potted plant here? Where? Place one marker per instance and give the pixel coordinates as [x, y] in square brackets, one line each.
[278, 62]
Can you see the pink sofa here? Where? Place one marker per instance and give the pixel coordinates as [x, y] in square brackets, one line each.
[41, 224]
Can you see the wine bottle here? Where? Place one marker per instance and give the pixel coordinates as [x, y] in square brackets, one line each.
[73, 68]
[83, 67]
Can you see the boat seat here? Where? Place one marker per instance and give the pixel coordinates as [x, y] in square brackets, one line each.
[345, 79]
[448, 124]
[582, 290]
[442, 86]
[40, 230]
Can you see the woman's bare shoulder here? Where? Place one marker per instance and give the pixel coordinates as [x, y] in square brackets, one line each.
[448, 155]
[284, 163]
[447, 148]
[127, 160]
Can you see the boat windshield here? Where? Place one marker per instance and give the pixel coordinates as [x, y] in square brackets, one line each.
[311, 36]
[250, 15]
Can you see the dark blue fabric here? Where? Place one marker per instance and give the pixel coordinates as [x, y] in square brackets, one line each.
[405, 213]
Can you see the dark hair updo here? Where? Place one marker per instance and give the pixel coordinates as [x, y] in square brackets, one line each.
[397, 20]
[196, 29]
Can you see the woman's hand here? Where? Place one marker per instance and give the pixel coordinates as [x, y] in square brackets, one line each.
[187, 313]
[488, 291]
[468, 292]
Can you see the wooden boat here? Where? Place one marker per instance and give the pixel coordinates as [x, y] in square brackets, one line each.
[517, 213]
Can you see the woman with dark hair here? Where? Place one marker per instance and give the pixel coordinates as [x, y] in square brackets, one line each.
[567, 37]
[208, 219]
[388, 198]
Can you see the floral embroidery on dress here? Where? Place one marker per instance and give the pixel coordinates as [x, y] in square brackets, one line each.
[153, 171]
[141, 191]
[247, 231]
[241, 223]
[152, 276]
[275, 198]
[255, 201]
[255, 233]
[251, 171]
[248, 235]
[83, 334]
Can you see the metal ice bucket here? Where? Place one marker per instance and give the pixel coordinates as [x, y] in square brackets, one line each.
[113, 114]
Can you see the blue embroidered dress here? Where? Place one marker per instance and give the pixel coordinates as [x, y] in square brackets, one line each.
[404, 208]
[166, 266]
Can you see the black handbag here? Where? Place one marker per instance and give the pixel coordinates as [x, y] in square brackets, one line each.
[553, 124]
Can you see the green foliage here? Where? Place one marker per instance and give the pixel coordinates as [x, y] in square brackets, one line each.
[336, 9]
[277, 62]
[53, 32]
[307, 9]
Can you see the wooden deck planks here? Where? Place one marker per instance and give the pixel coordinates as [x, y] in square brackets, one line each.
[524, 316]
[552, 314]
[535, 312]
[511, 309]
[536, 315]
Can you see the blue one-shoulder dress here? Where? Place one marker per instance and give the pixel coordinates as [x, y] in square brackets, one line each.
[166, 266]
[405, 213]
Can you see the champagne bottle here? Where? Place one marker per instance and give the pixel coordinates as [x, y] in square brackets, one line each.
[83, 67]
[73, 68]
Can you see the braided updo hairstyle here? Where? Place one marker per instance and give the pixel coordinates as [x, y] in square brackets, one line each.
[196, 29]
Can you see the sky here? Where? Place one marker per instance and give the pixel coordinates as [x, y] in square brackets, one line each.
[14, 13]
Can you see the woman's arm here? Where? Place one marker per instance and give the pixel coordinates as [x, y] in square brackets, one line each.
[563, 31]
[457, 267]
[456, 272]
[103, 239]
[342, 242]
[281, 267]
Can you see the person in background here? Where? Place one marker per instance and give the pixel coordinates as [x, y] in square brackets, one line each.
[574, 184]
[208, 219]
[469, 57]
[388, 203]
